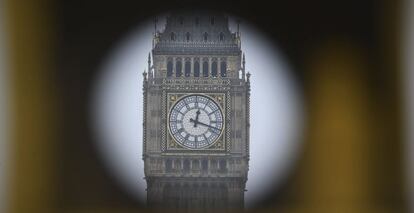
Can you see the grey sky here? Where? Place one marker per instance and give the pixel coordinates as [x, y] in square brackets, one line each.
[276, 113]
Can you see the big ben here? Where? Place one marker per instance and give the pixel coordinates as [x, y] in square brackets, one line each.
[196, 114]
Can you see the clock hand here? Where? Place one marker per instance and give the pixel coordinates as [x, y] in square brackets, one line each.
[196, 118]
[194, 121]
[207, 125]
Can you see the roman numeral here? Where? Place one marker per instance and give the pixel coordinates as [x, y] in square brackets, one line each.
[186, 104]
[196, 102]
[195, 142]
[178, 111]
[213, 112]
[214, 130]
[180, 130]
[208, 101]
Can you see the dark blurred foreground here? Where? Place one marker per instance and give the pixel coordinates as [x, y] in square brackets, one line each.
[346, 56]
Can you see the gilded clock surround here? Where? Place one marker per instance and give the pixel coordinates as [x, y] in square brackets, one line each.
[220, 144]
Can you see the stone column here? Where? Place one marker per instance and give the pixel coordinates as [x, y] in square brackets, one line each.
[173, 70]
[209, 67]
[192, 67]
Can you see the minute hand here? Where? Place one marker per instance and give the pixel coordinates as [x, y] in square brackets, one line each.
[198, 122]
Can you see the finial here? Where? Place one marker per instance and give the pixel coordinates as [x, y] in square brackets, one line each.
[238, 26]
[149, 62]
[145, 74]
[244, 62]
[155, 24]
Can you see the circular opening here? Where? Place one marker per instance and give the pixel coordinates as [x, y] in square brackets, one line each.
[276, 114]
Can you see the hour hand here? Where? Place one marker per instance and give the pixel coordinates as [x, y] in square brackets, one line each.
[194, 121]
[196, 118]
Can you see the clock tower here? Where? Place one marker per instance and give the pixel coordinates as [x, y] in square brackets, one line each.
[196, 114]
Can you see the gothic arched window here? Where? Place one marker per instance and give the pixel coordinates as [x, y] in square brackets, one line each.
[172, 36]
[168, 165]
[214, 69]
[196, 69]
[221, 37]
[204, 165]
[187, 36]
[212, 20]
[205, 36]
[222, 165]
[187, 68]
[223, 69]
[196, 164]
[181, 19]
[178, 68]
[197, 21]
[205, 69]
[169, 68]
[213, 164]
[186, 165]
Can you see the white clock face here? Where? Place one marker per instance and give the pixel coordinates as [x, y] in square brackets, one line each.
[196, 121]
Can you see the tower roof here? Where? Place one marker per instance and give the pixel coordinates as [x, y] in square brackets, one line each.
[196, 32]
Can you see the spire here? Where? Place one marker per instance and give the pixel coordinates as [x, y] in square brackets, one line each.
[149, 61]
[150, 75]
[145, 75]
[155, 24]
[248, 77]
[238, 26]
[243, 67]
[238, 40]
[244, 61]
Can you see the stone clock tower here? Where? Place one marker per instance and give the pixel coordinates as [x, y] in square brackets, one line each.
[196, 114]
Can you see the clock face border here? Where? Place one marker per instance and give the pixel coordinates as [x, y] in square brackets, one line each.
[218, 100]
[219, 146]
